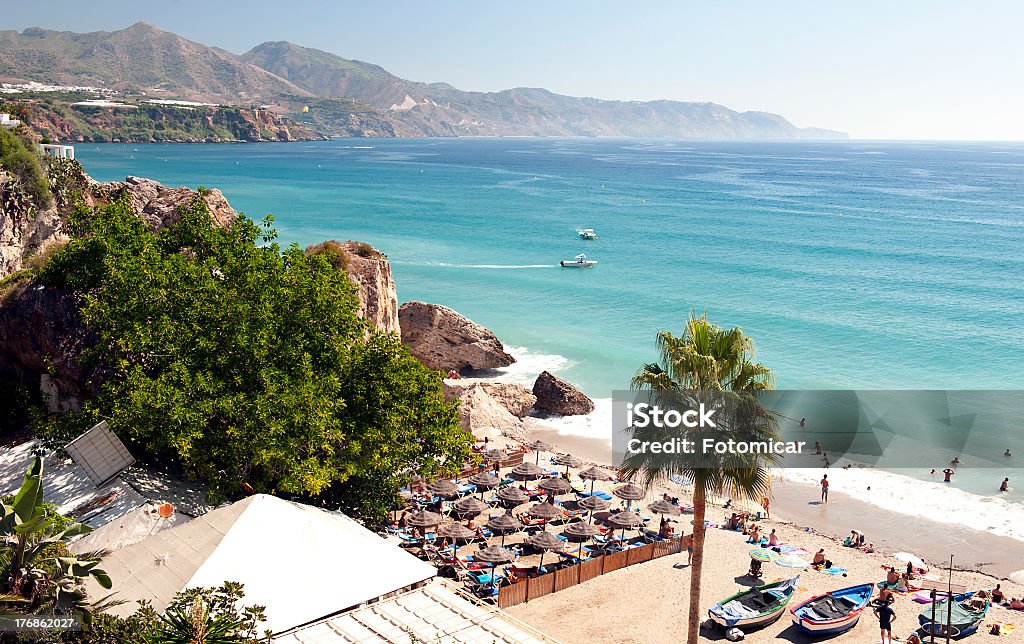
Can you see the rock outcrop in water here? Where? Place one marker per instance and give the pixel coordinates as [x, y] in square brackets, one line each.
[443, 339]
[556, 396]
[370, 271]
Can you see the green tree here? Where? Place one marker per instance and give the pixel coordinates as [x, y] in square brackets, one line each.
[37, 573]
[715, 366]
[29, 187]
[243, 363]
[209, 616]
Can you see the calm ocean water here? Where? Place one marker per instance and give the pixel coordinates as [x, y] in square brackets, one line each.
[851, 264]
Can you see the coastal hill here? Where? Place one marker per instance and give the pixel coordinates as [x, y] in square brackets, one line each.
[141, 58]
[336, 96]
[438, 109]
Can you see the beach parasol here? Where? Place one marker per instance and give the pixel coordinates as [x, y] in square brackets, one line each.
[544, 541]
[913, 560]
[504, 524]
[539, 446]
[423, 519]
[484, 481]
[594, 473]
[456, 531]
[546, 511]
[513, 495]
[469, 505]
[527, 472]
[624, 519]
[494, 555]
[663, 507]
[580, 531]
[495, 455]
[443, 488]
[763, 554]
[555, 486]
[630, 492]
[594, 504]
[568, 460]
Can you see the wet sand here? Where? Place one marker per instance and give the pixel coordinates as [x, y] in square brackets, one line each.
[891, 531]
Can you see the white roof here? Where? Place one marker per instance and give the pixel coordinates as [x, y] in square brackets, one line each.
[301, 562]
[433, 613]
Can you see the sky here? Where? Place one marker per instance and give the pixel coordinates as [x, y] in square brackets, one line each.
[911, 69]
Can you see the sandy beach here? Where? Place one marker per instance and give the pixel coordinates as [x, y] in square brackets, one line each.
[648, 602]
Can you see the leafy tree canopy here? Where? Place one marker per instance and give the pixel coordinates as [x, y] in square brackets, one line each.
[245, 363]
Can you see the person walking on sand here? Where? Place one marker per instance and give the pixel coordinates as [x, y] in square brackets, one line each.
[885, 615]
[765, 502]
[824, 488]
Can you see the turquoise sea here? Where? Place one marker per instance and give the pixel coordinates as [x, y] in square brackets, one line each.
[852, 264]
[860, 265]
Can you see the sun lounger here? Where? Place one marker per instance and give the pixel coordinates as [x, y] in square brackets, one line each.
[598, 493]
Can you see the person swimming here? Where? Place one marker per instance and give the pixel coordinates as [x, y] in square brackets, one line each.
[955, 461]
[1007, 452]
[1005, 485]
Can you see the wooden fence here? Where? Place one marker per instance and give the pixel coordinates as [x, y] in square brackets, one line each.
[534, 587]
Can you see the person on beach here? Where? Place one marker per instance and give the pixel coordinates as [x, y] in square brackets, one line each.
[947, 475]
[773, 539]
[803, 421]
[824, 488]
[885, 615]
[819, 558]
[1016, 604]
[817, 447]
[903, 583]
[891, 576]
[910, 569]
[885, 596]
[765, 502]
[997, 594]
[1005, 485]
[932, 472]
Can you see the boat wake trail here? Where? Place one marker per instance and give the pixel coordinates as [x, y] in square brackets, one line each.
[494, 266]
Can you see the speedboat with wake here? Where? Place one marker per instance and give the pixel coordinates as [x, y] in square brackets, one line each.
[586, 233]
[580, 261]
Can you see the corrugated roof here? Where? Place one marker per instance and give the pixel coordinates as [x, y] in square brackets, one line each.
[435, 612]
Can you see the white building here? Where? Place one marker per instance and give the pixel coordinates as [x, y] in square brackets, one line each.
[8, 122]
[57, 150]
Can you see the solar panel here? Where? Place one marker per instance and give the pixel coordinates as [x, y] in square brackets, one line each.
[101, 454]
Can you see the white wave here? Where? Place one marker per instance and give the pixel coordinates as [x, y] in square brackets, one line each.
[525, 369]
[596, 425]
[927, 499]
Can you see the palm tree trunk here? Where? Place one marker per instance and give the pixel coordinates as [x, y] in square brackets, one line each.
[694, 615]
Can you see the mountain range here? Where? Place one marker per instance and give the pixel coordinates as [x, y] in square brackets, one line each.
[343, 97]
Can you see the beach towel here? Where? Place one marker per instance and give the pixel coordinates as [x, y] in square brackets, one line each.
[834, 571]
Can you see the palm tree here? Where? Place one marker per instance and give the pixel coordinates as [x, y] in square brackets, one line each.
[37, 573]
[712, 365]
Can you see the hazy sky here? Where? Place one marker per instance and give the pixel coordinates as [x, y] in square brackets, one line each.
[903, 69]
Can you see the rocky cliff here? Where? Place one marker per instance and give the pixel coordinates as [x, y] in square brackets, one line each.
[370, 271]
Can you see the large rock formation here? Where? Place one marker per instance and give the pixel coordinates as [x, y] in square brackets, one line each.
[482, 416]
[556, 396]
[517, 399]
[370, 271]
[443, 339]
[24, 234]
[158, 204]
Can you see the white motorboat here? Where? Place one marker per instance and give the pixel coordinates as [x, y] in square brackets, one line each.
[580, 261]
[586, 233]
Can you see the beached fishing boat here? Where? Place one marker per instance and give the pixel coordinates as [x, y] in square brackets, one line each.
[834, 612]
[580, 261]
[586, 233]
[754, 607]
[967, 615]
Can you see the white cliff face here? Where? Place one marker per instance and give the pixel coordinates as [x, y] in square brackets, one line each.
[443, 339]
